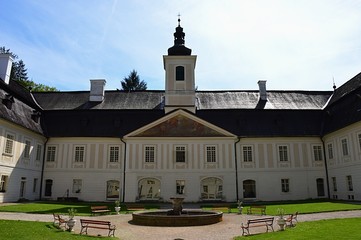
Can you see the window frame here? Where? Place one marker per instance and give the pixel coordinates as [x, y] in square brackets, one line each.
[334, 184]
[51, 151]
[330, 150]
[27, 148]
[247, 153]
[79, 153]
[180, 151]
[9, 144]
[114, 153]
[149, 153]
[283, 154]
[285, 185]
[179, 73]
[77, 185]
[344, 147]
[317, 153]
[349, 183]
[39, 150]
[211, 153]
[180, 187]
[4, 179]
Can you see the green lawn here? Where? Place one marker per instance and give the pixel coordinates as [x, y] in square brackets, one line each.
[25, 230]
[333, 229]
[302, 207]
[82, 208]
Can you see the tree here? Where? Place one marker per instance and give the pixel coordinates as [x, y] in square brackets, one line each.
[20, 74]
[132, 82]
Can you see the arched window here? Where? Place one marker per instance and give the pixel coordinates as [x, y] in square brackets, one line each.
[48, 187]
[149, 189]
[211, 188]
[249, 189]
[113, 189]
[179, 73]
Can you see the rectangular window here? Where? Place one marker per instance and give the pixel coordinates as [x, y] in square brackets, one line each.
[179, 73]
[285, 183]
[330, 151]
[211, 154]
[79, 153]
[283, 153]
[77, 184]
[35, 185]
[27, 149]
[349, 183]
[3, 183]
[149, 154]
[359, 141]
[9, 144]
[180, 186]
[344, 147]
[50, 154]
[247, 154]
[114, 153]
[39, 148]
[317, 153]
[180, 154]
[334, 184]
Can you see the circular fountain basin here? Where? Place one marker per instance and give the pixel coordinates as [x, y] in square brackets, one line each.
[186, 218]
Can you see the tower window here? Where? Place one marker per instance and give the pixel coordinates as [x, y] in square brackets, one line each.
[179, 73]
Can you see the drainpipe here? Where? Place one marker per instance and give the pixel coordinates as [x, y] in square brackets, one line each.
[42, 169]
[124, 166]
[236, 165]
[326, 168]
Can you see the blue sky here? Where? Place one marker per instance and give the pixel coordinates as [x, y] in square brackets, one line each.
[294, 45]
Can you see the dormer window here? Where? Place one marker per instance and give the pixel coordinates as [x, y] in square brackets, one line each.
[179, 73]
[8, 101]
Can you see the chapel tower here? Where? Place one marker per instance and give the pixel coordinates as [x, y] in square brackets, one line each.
[179, 67]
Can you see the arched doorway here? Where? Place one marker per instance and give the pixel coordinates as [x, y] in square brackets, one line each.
[249, 188]
[211, 188]
[149, 189]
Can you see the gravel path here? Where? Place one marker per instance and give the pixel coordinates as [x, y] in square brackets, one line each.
[225, 230]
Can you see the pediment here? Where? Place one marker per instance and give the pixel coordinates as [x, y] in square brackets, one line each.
[180, 125]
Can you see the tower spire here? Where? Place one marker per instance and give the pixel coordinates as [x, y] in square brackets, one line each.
[179, 48]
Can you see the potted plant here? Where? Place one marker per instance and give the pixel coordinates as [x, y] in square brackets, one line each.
[240, 206]
[117, 206]
[281, 221]
[71, 222]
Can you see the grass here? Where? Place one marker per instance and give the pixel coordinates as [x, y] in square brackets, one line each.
[26, 230]
[302, 207]
[321, 230]
[82, 208]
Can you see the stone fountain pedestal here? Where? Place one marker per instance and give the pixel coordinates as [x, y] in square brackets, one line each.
[177, 206]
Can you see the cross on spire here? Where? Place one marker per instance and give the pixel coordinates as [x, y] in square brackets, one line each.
[179, 19]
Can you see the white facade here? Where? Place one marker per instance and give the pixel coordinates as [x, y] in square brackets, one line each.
[20, 162]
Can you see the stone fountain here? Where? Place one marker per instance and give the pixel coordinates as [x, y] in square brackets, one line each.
[177, 216]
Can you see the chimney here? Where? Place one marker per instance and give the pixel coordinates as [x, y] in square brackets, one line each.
[97, 90]
[262, 90]
[6, 62]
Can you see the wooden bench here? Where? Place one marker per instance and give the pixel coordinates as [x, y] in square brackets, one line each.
[85, 224]
[135, 207]
[259, 222]
[257, 209]
[291, 219]
[99, 209]
[59, 220]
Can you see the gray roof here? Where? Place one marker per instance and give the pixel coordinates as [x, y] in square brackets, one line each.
[116, 100]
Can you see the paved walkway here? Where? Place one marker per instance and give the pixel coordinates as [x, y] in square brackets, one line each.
[225, 230]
